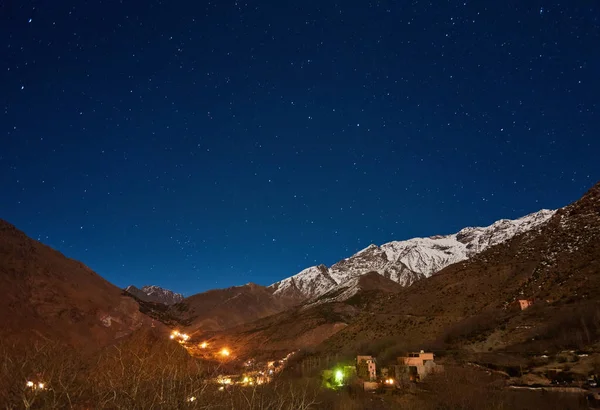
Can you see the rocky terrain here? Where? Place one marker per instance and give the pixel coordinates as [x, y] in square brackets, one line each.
[220, 309]
[371, 281]
[155, 294]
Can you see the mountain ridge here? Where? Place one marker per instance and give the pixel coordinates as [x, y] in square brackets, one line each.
[156, 294]
[46, 295]
[556, 266]
[408, 261]
[468, 305]
[218, 309]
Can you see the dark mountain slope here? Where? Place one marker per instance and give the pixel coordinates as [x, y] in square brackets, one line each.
[306, 325]
[220, 309]
[43, 294]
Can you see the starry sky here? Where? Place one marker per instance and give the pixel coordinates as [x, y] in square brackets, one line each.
[196, 145]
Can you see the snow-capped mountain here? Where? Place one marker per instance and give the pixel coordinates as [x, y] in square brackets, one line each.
[155, 294]
[371, 281]
[407, 261]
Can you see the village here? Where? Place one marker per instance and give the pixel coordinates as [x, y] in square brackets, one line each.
[365, 373]
[253, 372]
[403, 373]
[410, 368]
[413, 367]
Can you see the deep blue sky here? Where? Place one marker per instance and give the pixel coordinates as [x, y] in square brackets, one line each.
[198, 145]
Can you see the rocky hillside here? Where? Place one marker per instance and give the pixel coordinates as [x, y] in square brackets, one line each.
[371, 281]
[405, 262]
[556, 265]
[310, 323]
[44, 294]
[219, 309]
[155, 294]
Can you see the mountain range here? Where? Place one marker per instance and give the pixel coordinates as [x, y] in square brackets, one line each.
[420, 289]
[396, 265]
[406, 262]
[471, 305]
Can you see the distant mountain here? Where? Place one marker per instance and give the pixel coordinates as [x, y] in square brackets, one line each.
[44, 294]
[219, 309]
[405, 262]
[156, 294]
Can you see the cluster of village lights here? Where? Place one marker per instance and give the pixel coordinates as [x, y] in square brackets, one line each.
[224, 380]
[181, 337]
[36, 386]
[246, 381]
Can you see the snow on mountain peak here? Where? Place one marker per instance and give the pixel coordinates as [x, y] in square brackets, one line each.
[368, 248]
[407, 261]
[311, 281]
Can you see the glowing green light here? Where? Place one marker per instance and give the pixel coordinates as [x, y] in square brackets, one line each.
[339, 376]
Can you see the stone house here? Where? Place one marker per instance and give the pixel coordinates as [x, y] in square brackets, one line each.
[525, 303]
[366, 368]
[416, 366]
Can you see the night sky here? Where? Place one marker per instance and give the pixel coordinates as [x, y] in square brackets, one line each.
[196, 145]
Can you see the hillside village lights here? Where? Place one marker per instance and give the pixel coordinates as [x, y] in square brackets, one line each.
[224, 380]
[35, 386]
[175, 334]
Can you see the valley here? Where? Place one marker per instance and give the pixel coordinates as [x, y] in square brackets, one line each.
[300, 205]
[516, 303]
